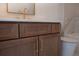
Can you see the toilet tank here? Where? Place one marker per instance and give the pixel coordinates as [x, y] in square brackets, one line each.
[76, 25]
[69, 28]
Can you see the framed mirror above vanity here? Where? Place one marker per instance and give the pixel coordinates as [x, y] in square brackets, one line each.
[21, 8]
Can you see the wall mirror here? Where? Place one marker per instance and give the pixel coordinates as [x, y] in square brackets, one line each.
[21, 8]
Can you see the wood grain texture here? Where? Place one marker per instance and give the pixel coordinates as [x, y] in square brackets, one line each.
[42, 39]
[56, 28]
[34, 29]
[8, 31]
[48, 45]
[20, 47]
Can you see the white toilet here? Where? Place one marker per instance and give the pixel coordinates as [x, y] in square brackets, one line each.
[69, 45]
[73, 35]
[70, 40]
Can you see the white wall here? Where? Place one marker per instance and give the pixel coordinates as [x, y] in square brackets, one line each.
[69, 14]
[4, 14]
[77, 10]
[48, 11]
[76, 26]
[76, 18]
[69, 10]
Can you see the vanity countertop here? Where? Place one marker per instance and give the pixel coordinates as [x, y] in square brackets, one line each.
[27, 20]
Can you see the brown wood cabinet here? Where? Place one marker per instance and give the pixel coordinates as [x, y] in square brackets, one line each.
[48, 45]
[29, 39]
[20, 47]
[31, 29]
[8, 31]
[56, 28]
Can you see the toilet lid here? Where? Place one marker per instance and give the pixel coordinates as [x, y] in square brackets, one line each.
[68, 39]
[73, 35]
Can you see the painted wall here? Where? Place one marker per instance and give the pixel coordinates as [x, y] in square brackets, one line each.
[76, 18]
[48, 11]
[4, 14]
[42, 10]
[69, 15]
[77, 10]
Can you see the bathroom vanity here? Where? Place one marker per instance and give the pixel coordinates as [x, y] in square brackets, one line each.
[29, 38]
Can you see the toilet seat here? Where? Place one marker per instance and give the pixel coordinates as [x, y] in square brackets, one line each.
[73, 35]
[68, 46]
[68, 39]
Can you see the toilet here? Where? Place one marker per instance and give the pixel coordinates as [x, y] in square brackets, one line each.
[70, 38]
[69, 45]
[73, 35]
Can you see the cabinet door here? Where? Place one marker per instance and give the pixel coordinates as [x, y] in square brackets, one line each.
[8, 31]
[20, 47]
[31, 29]
[49, 45]
[56, 28]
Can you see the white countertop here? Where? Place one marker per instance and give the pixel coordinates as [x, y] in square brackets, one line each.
[25, 20]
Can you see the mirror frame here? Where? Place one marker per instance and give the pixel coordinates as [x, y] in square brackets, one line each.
[19, 13]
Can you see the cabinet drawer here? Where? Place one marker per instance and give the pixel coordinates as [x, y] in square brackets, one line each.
[20, 47]
[31, 29]
[8, 31]
[55, 28]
